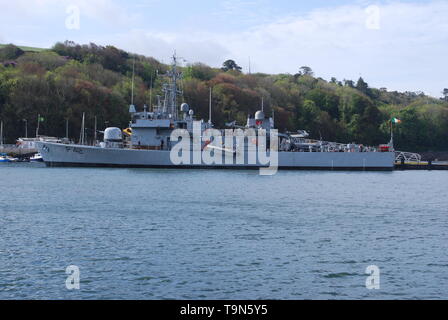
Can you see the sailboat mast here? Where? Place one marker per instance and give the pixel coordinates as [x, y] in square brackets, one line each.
[133, 81]
[210, 107]
[150, 94]
[82, 135]
[38, 124]
[1, 134]
[83, 128]
[96, 135]
[174, 89]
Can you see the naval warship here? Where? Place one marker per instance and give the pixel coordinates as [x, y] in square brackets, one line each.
[154, 137]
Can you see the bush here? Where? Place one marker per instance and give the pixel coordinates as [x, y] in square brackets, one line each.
[10, 52]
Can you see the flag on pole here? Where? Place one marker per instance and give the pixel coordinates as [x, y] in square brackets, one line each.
[396, 121]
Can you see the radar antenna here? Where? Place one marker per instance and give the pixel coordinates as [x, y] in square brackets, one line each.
[171, 89]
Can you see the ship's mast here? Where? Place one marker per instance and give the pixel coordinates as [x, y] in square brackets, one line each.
[171, 90]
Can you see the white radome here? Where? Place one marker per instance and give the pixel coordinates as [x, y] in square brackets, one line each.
[184, 107]
[259, 115]
[113, 134]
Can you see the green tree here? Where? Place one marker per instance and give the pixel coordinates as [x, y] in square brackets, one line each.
[231, 65]
[10, 52]
[306, 71]
[326, 100]
[47, 60]
[445, 94]
[349, 83]
[200, 71]
[412, 133]
[309, 118]
[362, 86]
[70, 79]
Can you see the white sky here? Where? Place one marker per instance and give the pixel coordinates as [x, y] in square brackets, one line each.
[400, 45]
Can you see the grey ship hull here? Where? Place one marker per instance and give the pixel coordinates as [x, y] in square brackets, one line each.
[61, 155]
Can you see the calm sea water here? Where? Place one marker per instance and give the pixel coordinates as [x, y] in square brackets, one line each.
[157, 234]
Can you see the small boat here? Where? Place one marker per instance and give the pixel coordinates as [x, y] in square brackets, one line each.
[37, 158]
[5, 158]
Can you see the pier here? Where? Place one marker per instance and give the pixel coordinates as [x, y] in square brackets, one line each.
[421, 166]
[414, 161]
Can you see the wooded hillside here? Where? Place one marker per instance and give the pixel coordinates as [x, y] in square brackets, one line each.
[69, 79]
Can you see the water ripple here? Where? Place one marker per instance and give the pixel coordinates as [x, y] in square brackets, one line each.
[156, 234]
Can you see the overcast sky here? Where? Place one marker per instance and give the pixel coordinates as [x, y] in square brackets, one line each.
[400, 45]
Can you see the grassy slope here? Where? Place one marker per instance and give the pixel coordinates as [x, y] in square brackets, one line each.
[27, 49]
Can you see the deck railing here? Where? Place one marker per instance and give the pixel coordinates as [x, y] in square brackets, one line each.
[407, 157]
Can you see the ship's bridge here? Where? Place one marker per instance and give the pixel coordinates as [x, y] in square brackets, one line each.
[151, 131]
[151, 123]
